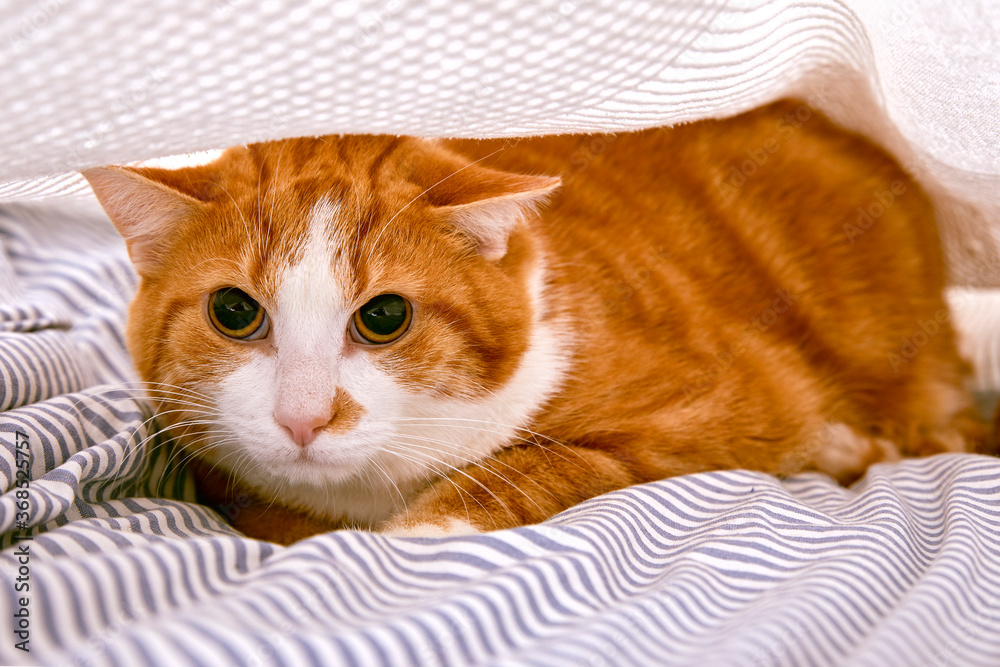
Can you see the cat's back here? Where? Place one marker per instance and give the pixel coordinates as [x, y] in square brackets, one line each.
[782, 177]
[772, 259]
[735, 211]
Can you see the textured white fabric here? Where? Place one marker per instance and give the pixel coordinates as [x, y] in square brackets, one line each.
[90, 82]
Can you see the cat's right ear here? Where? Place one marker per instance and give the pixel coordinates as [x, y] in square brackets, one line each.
[144, 211]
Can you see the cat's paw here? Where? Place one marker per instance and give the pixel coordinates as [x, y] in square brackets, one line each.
[444, 527]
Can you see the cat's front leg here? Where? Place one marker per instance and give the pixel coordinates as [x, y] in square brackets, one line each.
[518, 486]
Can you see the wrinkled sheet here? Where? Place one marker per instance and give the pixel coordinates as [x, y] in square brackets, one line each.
[721, 568]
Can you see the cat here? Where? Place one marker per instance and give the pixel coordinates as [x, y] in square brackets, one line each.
[444, 337]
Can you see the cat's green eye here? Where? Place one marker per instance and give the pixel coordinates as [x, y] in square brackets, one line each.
[235, 314]
[382, 320]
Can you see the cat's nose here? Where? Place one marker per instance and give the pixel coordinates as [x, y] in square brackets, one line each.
[303, 428]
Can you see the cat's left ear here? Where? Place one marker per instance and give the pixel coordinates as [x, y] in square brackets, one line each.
[144, 210]
[487, 204]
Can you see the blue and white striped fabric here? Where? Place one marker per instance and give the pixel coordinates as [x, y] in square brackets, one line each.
[724, 568]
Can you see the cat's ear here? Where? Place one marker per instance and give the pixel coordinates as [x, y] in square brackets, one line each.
[487, 204]
[144, 210]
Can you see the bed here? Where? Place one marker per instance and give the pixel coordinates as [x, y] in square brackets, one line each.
[119, 565]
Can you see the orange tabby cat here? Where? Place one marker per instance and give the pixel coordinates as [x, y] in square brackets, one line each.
[430, 337]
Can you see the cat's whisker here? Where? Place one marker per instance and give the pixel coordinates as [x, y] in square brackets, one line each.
[158, 416]
[238, 266]
[277, 493]
[131, 385]
[461, 492]
[442, 475]
[188, 405]
[516, 438]
[328, 494]
[244, 460]
[175, 396]
[525, 429]
[374, 245]
[274, 188]
[216, 465]
[487, 462]
[139, 447]
[183, 424]
[500, 426]
[464, 474]
[460, 453]
[191, 450]
[392, 482]
[356, 238]
[133, 449]
[125, 468]
[246, 227]
[482, 463]
[259, 210]
[373, 492]
[197, 453]
[169, 468]
[191, 439]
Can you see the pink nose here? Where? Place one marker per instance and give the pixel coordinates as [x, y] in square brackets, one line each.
[303, 429]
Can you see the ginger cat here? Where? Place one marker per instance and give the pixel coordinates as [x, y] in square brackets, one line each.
[446, 337]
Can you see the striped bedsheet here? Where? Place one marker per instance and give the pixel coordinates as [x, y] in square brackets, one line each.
[116, 565]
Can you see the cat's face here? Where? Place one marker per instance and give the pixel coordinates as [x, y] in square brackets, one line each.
[335, 308]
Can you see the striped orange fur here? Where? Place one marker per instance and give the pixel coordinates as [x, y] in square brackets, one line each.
[588, 312]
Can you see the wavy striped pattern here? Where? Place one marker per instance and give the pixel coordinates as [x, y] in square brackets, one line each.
[719, 568]
[724, 568]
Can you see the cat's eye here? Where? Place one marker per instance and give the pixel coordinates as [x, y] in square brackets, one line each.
[236, 314]
[382, 320]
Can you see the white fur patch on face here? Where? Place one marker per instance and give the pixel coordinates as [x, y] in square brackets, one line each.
[298, 378]
[402, 441]
[309, 315]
